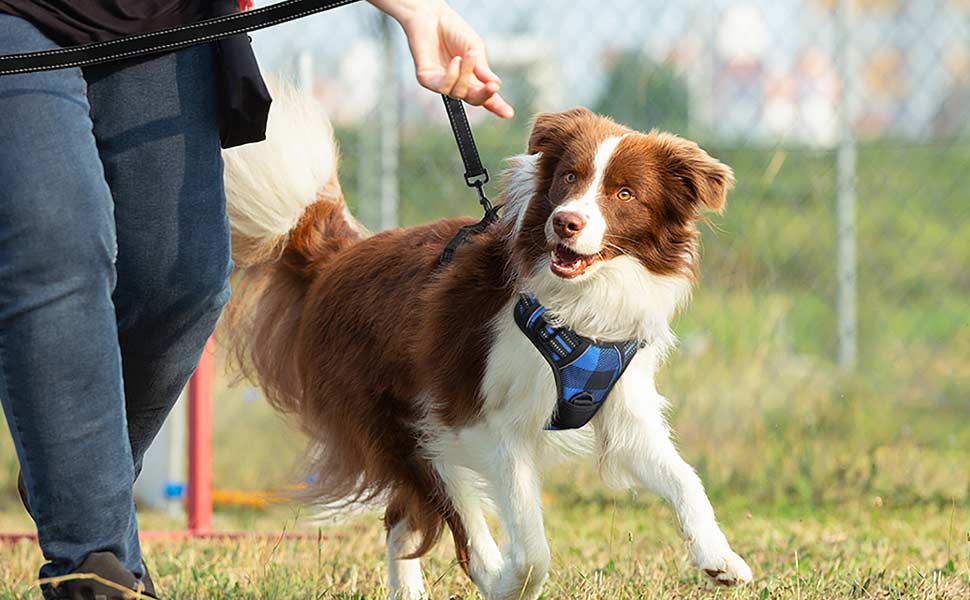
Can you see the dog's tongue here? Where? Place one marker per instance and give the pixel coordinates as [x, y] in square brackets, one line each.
[568, 264]
[567, 258]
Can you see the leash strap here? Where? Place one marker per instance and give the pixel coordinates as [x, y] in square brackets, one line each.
[475, 172]
[476, 176]
[165, 40]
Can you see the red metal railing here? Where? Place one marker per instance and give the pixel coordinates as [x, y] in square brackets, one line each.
[198, 506]
[199, 502]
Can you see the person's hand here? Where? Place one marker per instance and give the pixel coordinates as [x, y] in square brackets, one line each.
[449, 57]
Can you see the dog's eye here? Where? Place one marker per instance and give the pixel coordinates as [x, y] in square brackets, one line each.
[569, 177]
[625, 195]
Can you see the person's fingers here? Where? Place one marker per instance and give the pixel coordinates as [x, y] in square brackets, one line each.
[436, 80]
[478, 93]
[498, 106]
[454, 72]
[461, 87]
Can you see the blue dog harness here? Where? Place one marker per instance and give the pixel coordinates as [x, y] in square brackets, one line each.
[585, 371]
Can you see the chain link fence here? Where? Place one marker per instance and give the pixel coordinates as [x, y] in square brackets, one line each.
[831, 330]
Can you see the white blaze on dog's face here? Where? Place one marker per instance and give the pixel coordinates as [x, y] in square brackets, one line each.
[604, 191]
[577, 225]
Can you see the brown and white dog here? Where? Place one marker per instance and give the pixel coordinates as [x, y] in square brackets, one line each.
[416, 386]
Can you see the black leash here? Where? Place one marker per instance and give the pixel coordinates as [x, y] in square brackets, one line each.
[165, 40]
[476, 176]
[183, 36]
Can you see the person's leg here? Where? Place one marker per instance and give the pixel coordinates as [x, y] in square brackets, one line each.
[60, 365]
[156, 125]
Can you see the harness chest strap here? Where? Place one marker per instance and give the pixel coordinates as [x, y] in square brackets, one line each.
[585, 371]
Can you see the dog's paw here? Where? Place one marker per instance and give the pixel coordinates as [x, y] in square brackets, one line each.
[521, 580]
[403, 593]
[485, 569]
[724, 568]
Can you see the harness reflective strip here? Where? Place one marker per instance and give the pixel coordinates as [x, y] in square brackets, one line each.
[585, 371]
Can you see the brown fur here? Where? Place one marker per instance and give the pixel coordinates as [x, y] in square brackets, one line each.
[672, 181]
[320, 330]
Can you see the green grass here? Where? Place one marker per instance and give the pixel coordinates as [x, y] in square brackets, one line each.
[605, 546]
[871, 497]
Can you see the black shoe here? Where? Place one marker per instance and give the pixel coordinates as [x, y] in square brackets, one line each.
[106, 566]
[148, 586]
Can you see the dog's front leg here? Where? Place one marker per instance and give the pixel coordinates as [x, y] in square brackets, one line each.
[509, 469]
[636, 449]
[484, 557]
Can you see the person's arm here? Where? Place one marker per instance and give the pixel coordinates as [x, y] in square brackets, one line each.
[449, 57]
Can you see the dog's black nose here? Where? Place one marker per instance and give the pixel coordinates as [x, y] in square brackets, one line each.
[568, 224]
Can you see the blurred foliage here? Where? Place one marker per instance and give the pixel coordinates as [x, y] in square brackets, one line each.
[644, 95]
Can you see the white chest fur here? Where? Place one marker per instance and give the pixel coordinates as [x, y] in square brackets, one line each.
[518, 388]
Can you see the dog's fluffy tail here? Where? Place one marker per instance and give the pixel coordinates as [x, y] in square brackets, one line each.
[287, 215]
[271, 185]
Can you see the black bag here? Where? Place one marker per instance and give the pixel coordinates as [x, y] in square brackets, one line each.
[244, 100]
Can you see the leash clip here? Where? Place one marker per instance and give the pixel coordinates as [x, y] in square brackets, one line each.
[476, 176]
[482, 198]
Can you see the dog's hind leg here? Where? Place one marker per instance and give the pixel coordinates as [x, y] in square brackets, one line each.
[404, 578]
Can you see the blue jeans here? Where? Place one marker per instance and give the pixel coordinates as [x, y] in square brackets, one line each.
[114, 267]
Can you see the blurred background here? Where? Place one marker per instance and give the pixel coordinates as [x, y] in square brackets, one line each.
[824, 358]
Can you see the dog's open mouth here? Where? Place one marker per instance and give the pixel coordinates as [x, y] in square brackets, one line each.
[568, 264]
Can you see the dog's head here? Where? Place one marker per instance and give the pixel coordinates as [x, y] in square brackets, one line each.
[598, 191]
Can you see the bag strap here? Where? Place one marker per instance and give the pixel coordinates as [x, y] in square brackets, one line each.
[165, 40]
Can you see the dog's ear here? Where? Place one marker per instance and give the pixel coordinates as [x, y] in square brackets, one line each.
[706, 179]
[551, 130]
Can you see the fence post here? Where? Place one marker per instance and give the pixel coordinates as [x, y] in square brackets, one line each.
[846, 159]
[390, 120]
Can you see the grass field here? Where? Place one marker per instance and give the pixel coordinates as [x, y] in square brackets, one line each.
[839, 496]
[605, 546]
[831, 484]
